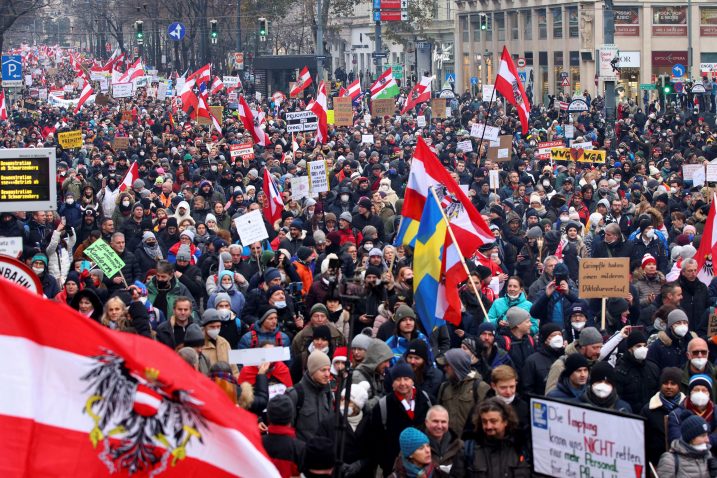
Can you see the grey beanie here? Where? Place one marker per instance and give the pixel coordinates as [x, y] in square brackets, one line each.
[265, 316]
[222, 297]
[184, 253]
[675, 316]
[534, 233]
[225, 257]
[209, 316]
[589, 336]
[516, 316]
[193, 336]
[361, 341]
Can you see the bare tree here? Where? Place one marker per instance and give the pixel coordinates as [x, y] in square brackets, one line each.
[12, 10]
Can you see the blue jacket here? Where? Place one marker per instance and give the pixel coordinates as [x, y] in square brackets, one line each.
[72, 214]
[679, 415]
[246, 340]
[501, 305]
[544, 307]
[566, 391]
[236, 297]
[399, 344]
[668, 350]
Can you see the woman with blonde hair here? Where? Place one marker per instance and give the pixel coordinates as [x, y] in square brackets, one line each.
[116, 315]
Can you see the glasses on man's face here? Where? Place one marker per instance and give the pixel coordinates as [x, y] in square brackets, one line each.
[698, 353]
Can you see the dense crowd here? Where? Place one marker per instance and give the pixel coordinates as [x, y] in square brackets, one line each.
[329, 284]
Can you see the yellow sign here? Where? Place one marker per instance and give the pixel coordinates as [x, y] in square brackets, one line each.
[578, 155]
[70, 139]
[330, 117]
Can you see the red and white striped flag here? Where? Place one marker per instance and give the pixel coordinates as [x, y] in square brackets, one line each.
[273, 205]
[3, 108]
[294, 144]
[132, 174]
[217, 85]
[707, 253]
[319, 108]
[420, 93]
[353, 90]
[507, 83]
[84, 96]
[302, 82]
[80, 397]
[202, 75]
[247, 118]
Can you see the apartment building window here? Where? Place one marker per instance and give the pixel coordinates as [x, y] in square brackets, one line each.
[464, 29]
[514, 27]
[575, 70]
[573, 30]
[448, 9]
[528, 58]
[475, 26]
[558, 66]
[500, 25]
[542, 24]
[557, 14]
[528, 30]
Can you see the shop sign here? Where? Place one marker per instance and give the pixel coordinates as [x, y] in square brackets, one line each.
[668, 58]
[708, 21]
[627, 21]
[629, 59]
[669, 21]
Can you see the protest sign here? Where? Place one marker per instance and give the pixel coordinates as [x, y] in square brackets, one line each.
[578, 155]
[581, 144]
[257, 356]
[230, 81]
[70, 139]
[465, 146]
[545, 147]
[318, 177]
[569, 131]
[711, 174]
[251, 228]
[330, 117]
[712, 323]
[604, 278]
[162, 88]
[494, 178]
[243, 150]
[491, 132]
[10, 246]
[120, 143]
[105, 257]
[488, 92]
[572, 440]
[217, 111]
[301, 121]
[421, 121]
[104, 86]
[366, 139]
[121, 90]
[383, 107]
[299, 187]
[17, 272]
[343, 111]
[101, 100]
[438, 106]
[503, 151]
[689, 171]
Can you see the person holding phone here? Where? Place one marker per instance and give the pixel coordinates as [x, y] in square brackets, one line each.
[554, 302]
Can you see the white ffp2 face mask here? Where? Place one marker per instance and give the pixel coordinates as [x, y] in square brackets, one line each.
[698, 363]
[556, 342]
[602, 390]
[640, 353]
[699, 398]
[680, 330]
[213, 333]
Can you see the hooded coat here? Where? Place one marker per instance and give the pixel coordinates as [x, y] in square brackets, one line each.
[376, 354]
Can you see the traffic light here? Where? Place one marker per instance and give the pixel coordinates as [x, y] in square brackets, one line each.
[214, 33]
[263, 28]
[483, 22]
[139, 31]
[667, 88]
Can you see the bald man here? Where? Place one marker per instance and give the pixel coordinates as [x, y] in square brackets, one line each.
[698, 361]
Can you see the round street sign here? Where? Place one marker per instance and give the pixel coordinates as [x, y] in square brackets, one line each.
[521, 62]
[176, 31]
[15, 271]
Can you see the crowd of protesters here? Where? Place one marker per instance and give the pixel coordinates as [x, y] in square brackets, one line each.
[330, 284]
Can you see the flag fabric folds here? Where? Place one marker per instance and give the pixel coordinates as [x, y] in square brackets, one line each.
[420, 93]
[85, 398]
[129, 178]
[353, 90]
[247, 117]
[319, 108]
[84, 96]
[385, 86]
[507, 83]
[3, 108]
[302, 82]
[707, 252]
[273, 205]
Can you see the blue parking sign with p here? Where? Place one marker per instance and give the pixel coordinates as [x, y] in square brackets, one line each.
[11, 67]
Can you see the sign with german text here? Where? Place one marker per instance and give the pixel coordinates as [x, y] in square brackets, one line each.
[70, 139]
[318, 177]
[604, 278]
[383, 107]
[438, 106]
[579, 155]
[343, 111]
[301, 121]
[28, 179]
[243, 150]
[105, 257]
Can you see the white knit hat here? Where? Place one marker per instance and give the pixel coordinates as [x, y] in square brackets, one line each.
[359, 393]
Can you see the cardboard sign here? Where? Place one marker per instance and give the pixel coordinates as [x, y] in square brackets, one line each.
[318, 177]
[578, 155]
[465, 146]
[121, 90]
[243, 150]
[545, 147]
[503, 151]
[576, 440]
[383, 107]
[217, 111]
[343, 111]
[120, 143]
[604, 278]
[438, 106]
[257, 356]
[712, 325]
[101, 100]
[251, 228]
[299, 187]
[70, 139]
[298, 121]
[11, 246]
[480, 130]
[105, 257]
[366, 139]
[494, 178]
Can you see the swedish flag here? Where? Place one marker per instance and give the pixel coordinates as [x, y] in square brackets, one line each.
[429, 292]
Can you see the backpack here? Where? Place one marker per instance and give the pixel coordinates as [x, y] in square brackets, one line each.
[508, 342]
[278, 341]
[383, 407]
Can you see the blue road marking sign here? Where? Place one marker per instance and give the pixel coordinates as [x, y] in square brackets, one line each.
[474, 80]
[451, 77]
[176, 31]
[678, 70]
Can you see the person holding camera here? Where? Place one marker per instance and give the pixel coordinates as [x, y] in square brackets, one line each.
[557, 298]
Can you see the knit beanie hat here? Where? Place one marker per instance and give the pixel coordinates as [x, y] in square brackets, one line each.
[210, 217]
[617, 306]
[636, 337]
[321, 332]
[547, 329]
[321, 308]
[534, 233]
[373, 271]
[73, 276]
[265, 316]
[675, 316]
[486, 326]
[411, 439]
[280, 410]
[419, 348]
[602, 371]
[225, 256]
[700, 379]
[693, 427]
[148, 235]
[222, 297]
[359, 393]
[361, 341]
[648, 259]
[40, 257]
[402, 312]
[574, 362]
[671, 374]
[271, 273]
[402, 369]
[193, 336]
[471, 345]
[184, 253]
[316, 361]
[304, 253]
[589, 336]
[516, 316]
[209, 316]
[188, 233]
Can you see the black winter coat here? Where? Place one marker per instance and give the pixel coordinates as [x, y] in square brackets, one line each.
[695, 300]
[357, 449]
[636, 381]
[536, 369]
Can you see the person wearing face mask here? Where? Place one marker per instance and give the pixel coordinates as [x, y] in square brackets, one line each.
[232, 328]
[670, 348]
[228, 286]
[667, 399]
[695, 295]
[636, 379]
[698, 363]
[647, 242]
[49, 284]
[698, 403]
[589, 345]
[601, 391]
[504, 386]
[550, 348]
[215, 348]
[71, 211]
[689, 455]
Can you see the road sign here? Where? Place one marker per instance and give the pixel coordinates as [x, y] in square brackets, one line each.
[565, 82]
[474, 80]
[390, 15]
[451, 77]
[11, 71]
[679, 87]
[376, 15]
[678, 70]
[647, 86]
[176, 31]
[523, 75]
[397, 71]
[379, 55]
[521, 62]
[564, 74]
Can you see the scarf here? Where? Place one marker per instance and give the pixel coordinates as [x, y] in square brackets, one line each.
[669, 403]
[706, 414]
[414, 471]
[607, 402]
[409, 407]
[153, 252]
[354, 420]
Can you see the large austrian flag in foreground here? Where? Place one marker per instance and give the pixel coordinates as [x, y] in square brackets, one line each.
[81, 400]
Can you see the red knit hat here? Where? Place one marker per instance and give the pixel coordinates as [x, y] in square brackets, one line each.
[647, 258]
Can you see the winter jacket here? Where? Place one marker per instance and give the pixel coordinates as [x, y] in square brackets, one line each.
[500, 308]
[647, 285]
[620, 248]
[237, 299]
[564, 390]
[654, 247]
[218, 351]
[399, 345]
[545, 307]
[636, 381]
[612, 402]
[536, 369]
[357, 449]
[460, 398]
[519, 351]
[539, 286]
[679, 415]
[497, 458]
[176, 289]
[130, 271]
[376, 354]
[687, 373]
[695, 300]
[59, 257]
[497, 356]
[313, 405]
[302, 339]
[285, 451]
[690, 464]
[256, 336]
[447, 452]
[556, 369]
[655, 414]
[668, 350]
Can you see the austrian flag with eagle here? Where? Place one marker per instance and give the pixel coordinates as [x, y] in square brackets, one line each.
[82, 400]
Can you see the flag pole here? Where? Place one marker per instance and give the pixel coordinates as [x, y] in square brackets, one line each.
[485, 123]
[458, 249]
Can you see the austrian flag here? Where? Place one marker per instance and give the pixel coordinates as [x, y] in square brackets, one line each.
[507, 83]
[273, 205]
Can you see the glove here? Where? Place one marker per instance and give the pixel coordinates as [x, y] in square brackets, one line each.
[350, 470]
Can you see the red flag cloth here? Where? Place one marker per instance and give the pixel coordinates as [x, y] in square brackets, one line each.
[507, 83]
[273, 205]
[3, 108]
[319, 108]
[247, 118]
[70, 399]
[707, 252]
[84, 96]
[302, 82]
[132, 174]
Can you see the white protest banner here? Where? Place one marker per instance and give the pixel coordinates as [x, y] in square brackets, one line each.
[230, 81]
[367, 118]
[162, 88]
[488, 92]
[449, 113]
[179, 84]
[421, 121]
[257, 95]
[698, 179]
[243, 150]
[711, 174]
[251, 228]
[104, 85]
[121, 90]
[575, 440]
[465, 188]
[689, 170]
[96, 75]
[28, 80]
[581, 145]
[367, 138]
[318, 177]
[42, 93]
[465, 146]
[490, 133]
[494, 178]
[260, 355]
[299, 187]
[10, 246]
[569, 131]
